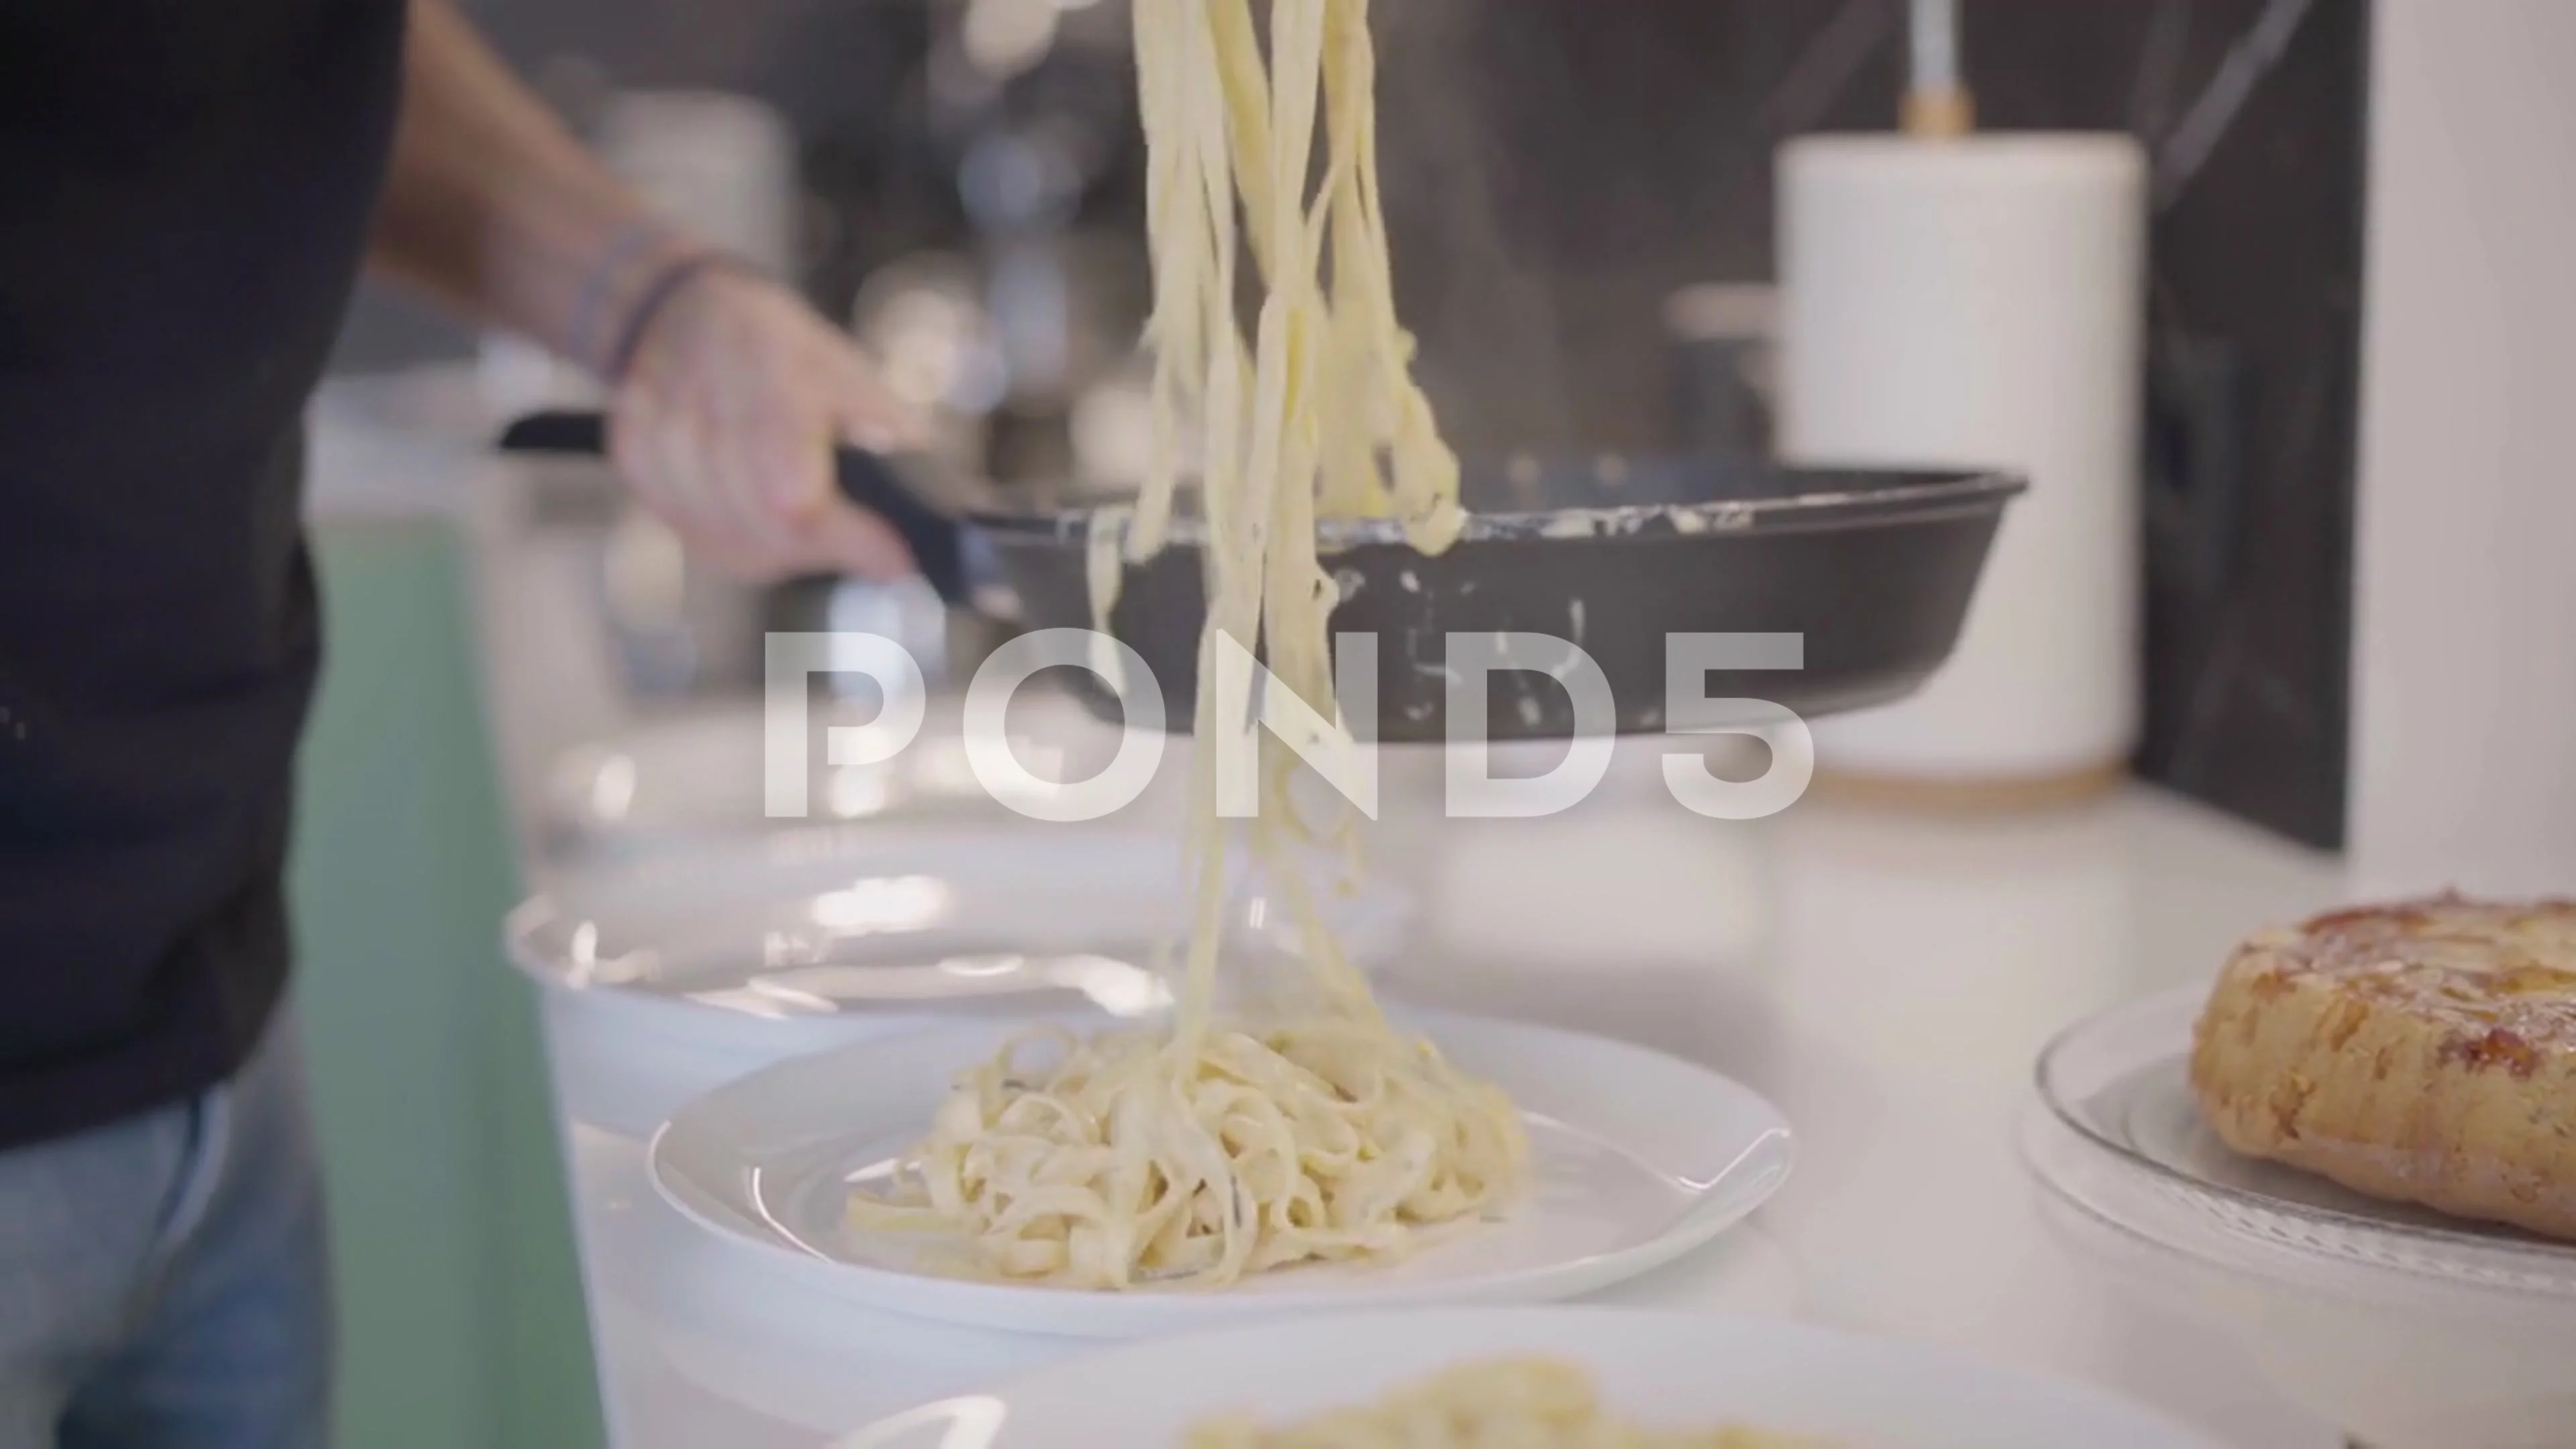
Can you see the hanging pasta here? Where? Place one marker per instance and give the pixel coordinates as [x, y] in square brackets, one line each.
[1220, 1147]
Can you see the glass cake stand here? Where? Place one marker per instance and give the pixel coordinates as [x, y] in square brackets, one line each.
[2410, 1329]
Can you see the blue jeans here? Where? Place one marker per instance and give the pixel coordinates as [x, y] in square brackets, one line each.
[164, 1279]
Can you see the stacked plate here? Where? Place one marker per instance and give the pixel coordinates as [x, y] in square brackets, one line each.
[667, 974]
[685, 936]
[2409, 1329]
[681, 782]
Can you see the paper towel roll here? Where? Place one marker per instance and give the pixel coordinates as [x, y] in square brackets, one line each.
[1978, 302]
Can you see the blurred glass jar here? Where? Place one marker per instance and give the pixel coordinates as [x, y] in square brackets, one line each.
[1723, 340]
[722, 165]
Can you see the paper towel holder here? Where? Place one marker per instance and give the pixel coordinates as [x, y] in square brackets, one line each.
[1937, 101]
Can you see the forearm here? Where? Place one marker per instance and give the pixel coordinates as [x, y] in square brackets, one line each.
[494, 208]
[728, 391]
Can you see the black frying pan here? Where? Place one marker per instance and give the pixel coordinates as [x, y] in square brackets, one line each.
[1873, 568]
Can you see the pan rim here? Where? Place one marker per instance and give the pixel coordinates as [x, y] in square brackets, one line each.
[1928, 495]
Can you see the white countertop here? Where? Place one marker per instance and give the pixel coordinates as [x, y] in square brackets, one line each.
[1886, 982]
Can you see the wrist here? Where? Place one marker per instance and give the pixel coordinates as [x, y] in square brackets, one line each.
[659, 293]
[630, 277]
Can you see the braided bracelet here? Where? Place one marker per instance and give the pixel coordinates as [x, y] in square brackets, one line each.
[631, 243]
[665, 285]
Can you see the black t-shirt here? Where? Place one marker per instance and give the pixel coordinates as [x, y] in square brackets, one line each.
[185, 187]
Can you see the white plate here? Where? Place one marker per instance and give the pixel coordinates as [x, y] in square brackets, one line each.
[1638, 1156]
[932, 918]
[1667, 1370]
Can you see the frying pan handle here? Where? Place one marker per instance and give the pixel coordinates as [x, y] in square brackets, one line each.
[937, 541]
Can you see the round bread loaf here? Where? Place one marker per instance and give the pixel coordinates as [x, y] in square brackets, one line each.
[2422, 1052]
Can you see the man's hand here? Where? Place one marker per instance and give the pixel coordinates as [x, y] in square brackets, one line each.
[729, 394]
[725, 420]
